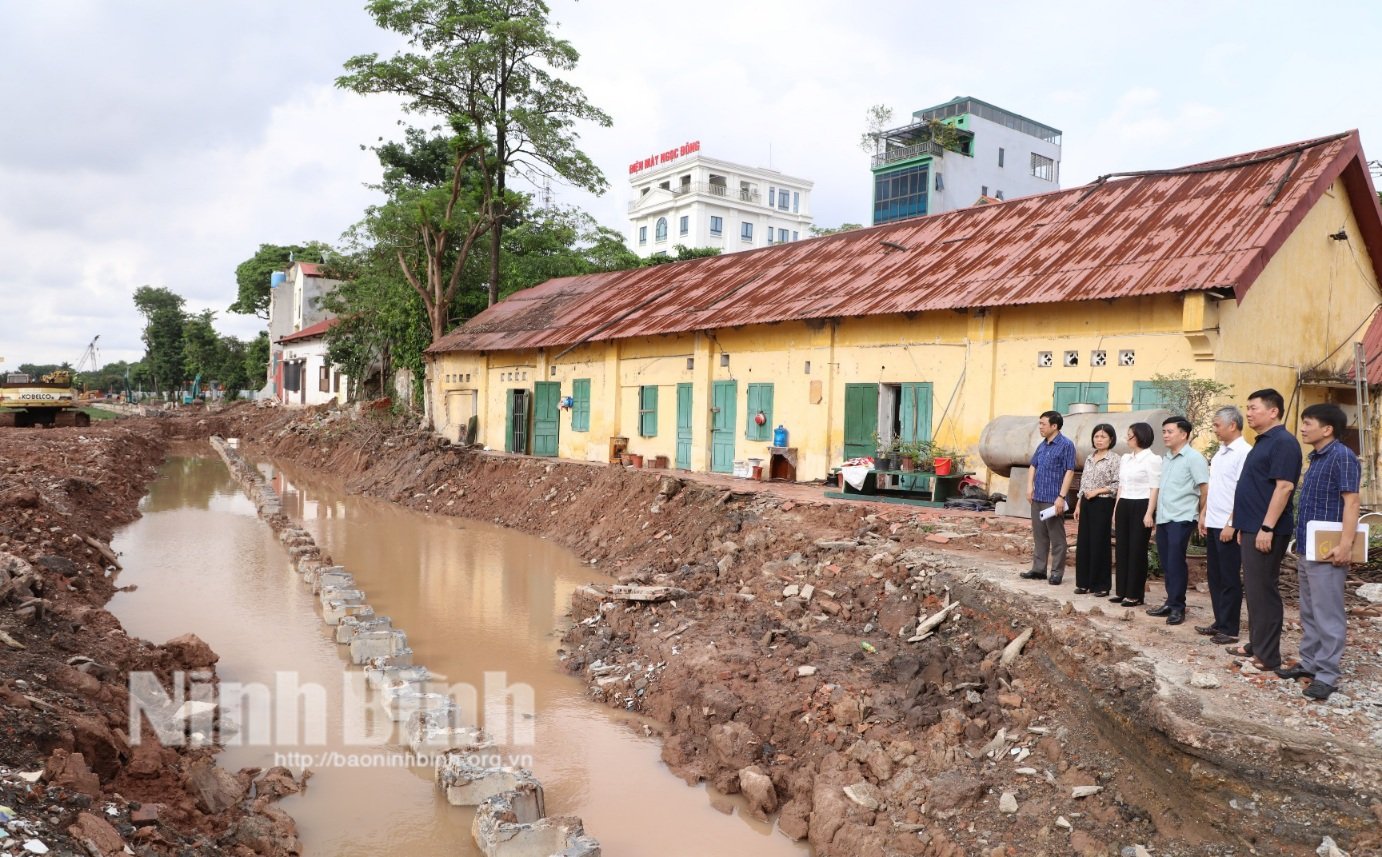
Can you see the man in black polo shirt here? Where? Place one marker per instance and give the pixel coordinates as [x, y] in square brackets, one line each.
[1262, 516]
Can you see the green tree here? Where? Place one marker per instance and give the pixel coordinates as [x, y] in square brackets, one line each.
[163, 323]
[256, 362]
[818, 231]
[252, 275]
[201, 346]
[876, 120]
[681, 253]
[490, 67]
[1194, 398]
[429, 230]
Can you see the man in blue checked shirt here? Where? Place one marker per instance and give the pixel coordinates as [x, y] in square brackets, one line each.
[1053, 467]
[1329, 492]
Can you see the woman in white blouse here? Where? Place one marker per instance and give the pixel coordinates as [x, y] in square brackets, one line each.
[1134, 513]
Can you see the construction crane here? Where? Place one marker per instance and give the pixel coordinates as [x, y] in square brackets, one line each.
[89, 361]
[90, 356]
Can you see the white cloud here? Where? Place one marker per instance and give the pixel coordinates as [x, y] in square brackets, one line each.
[161, 142]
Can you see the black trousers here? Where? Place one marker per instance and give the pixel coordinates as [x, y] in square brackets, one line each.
[1131, 554]
[1260, 573]
[1093, 545]
[1225, 567]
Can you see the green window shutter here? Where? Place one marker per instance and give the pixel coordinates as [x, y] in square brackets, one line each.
[760, 398]
[647, 411]
[580, 405]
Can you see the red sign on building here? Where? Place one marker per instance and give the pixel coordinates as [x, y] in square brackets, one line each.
[665, 158]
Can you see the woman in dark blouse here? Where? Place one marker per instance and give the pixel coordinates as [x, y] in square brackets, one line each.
[1094, 515]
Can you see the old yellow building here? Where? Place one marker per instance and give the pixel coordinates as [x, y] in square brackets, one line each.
[1256, 270]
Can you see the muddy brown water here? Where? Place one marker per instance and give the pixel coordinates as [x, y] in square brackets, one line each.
[473, 599]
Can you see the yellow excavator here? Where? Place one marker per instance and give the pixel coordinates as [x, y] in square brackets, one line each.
[48, 400]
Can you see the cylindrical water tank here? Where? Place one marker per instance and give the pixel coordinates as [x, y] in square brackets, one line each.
[1009, 442]
[276, 279]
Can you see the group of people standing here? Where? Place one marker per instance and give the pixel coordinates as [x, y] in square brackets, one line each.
[1241, 504]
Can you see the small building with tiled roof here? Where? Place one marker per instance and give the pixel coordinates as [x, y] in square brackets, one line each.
[1256, 270]
[297, 317]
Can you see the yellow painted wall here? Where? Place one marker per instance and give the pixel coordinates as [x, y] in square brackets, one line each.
[1315, 295]
[981, 364]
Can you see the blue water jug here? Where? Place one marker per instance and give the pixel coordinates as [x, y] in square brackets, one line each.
[780, 436]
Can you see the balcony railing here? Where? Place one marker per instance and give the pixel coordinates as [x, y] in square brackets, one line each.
[906, 153]
[708, 188]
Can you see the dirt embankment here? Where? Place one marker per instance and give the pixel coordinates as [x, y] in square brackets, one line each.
[789, 670]
[72, 779]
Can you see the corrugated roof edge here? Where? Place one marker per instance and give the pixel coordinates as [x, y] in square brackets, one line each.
[1346, 160]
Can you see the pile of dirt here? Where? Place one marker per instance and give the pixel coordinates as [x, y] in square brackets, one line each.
[72, 777]
[794, 663]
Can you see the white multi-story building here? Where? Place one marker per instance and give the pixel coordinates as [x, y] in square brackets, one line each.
[684, 198]
[298, 371]
[959, 153]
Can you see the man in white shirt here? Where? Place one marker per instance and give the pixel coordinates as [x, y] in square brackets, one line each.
[1216, 527]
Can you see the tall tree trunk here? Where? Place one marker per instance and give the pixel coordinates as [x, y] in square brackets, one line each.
[501, 151]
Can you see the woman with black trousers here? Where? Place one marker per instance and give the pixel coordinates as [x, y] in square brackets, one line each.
[1094, 515]
[1134, 514]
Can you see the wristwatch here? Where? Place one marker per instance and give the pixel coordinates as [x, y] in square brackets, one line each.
[1267, 529]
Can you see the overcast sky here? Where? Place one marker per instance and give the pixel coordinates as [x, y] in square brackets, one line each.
[160, 142]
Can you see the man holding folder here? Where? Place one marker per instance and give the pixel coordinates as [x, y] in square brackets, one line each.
[1329, 501]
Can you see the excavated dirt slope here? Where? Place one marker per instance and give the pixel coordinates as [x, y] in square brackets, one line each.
[71, 780]
[783, 668]
[786, 668]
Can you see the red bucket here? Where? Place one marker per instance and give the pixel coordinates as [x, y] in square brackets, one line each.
[943, 466]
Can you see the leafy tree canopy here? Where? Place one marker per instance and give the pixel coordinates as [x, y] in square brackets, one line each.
[252, 275]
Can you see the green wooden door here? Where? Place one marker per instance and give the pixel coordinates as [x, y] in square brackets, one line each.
[1068, 393]
[916, 411]
[722, 426]
[546, 397]
[516, 438]
[684, 426]
[861, 419]
[1146, 396]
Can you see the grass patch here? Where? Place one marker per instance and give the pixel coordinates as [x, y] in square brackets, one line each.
[100, 414]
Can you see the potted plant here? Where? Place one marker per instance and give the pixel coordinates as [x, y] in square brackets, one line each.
[915, 455]
[881, 454]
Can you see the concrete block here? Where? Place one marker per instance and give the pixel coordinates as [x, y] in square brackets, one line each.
[339, 593]
[333, 577]
[436, 732]
[337, 609]
[379, 644]
[378, 674]
[467, 784]
[499, 831]
[402, 705]
[351, 625]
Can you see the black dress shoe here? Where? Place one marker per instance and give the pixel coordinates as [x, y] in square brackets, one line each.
[1294, 671]
[1319, 690]
[1131, 602]
[1176, 617]
[1080, 590]
[1055, 580]
[1223, 639]
[1033, 575]
[1207, 630]
[1115, 597]
[1163, 610]
[1103, 594]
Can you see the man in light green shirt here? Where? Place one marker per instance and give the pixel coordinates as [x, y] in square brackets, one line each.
[1180, 506]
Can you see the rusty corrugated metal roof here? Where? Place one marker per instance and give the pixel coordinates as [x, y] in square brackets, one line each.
[1207, 226]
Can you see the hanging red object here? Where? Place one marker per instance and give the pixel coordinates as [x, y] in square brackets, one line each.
[760, 419]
